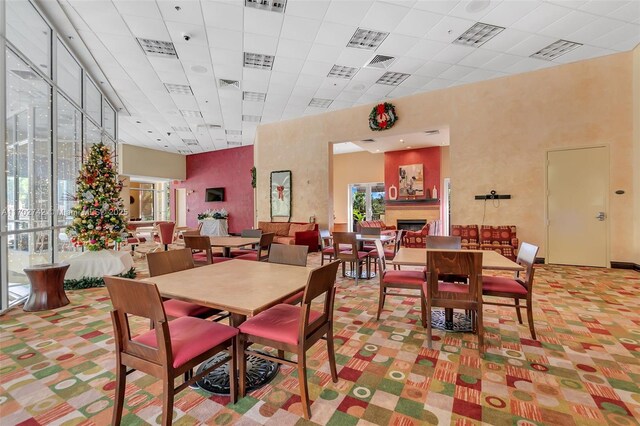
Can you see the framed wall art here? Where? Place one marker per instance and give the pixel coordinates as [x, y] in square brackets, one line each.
[281, 193]
[411, 180]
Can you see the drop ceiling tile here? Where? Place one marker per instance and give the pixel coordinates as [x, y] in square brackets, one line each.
[438, 83]
[456, 72]
[298, 28]
[189, 12]
[397, 45]
[256, 43]
[118, 44]
[348, 12]
[225, 15]
[287, 65]
[354, 57]
[619, 35]
[292, 48]
[360, 85]
[327, 93]
[262, 22]
[316, 68]
[324, 53]
[334, 34]
[453, 53]
[334, 83]
[630, 12]
[348, 96]
[406, 64]
[306, 9]
[502, 62]
[340, 104]
[379, 90]
[146, 28]
[177, 30]
[257, 76]
[473, 9]
[594, 30]
[478, 58]
[528, 64]
[416, 81]
[582, 53]
[433, 69]
[226, 56]
[252, 108]
[449, 28]
[567, 24]
[480, 75]
[384, 16]
[602, 7]
[506, 39]
[531, 45]
[546, 12]
[508, 12]
[224, 39]
[426, 49]
[101, 17]
[441, 7]
[282, 82]
[417, 23]
[401, 91]
[165, 64]
[309, 81]
[296, 101]
[185, 102]
[627, 44]
[228, 72]
[370, 75]
[192, 52]
[142, 8]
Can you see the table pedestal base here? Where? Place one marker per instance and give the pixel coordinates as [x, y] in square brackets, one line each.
[259, 373]
[363, 274]
[460, 323]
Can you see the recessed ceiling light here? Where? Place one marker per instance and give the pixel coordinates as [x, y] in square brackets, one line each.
[233, 144]
[367, 39]
[475, 6]
[258, 60]
[157, 47]
[340, 71]
[198, 69]
[402, 140]
[178, 89]
[392, 78]
[184, 151]
[408, 147]
[251, 118]
[320, 103]
[270, 5]
[478, 34]
[181, 128]
[377, 150]
[556, 49]
[228, 84]
[188, 113]
[190, 142]
[254, 96]
[380, 61]
[233, 132]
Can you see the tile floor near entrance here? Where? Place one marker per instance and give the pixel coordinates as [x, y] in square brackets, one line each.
[57, 367]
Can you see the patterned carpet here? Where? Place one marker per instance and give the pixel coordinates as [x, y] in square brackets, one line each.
[57, 367]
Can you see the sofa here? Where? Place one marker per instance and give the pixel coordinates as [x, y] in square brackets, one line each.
[376, 224]
[502, 238]
[298, 233]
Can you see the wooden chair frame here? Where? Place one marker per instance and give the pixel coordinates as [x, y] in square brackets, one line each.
[344, 256]
[288, 254]
[199, 243]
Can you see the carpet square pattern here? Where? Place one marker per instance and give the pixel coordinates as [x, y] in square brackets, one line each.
[57, 367]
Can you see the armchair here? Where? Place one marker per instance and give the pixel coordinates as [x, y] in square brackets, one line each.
[468, 234]
[416, 239]
[501, 239]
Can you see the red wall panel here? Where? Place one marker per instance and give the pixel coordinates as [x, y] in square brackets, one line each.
[428, 157]
[229, 169]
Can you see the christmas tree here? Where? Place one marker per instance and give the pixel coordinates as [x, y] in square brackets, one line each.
[98, 216]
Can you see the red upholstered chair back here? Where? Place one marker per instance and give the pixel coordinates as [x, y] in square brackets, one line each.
[499, 238]
[165, 232]
[416, 239]
[468, 234]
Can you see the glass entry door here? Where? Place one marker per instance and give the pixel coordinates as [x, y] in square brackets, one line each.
[366, 202]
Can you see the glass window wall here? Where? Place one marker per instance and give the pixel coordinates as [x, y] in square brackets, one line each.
[92, 99]
[29, 33]
[69, 74]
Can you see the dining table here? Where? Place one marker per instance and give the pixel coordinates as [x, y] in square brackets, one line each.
[229, 242]
[243, 288]
[491, 260]
[361, 239]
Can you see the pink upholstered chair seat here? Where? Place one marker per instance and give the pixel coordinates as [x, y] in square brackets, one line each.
[215, 260]
[453, 287]
[248, 256]
[190, 337]
[389, 254]
[361, 254]
[295, 299]
[413, 278]
[279, 323]
[502, 285]
[136, 240]
[178, 309]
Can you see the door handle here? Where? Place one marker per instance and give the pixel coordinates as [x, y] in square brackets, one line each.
[600, 216]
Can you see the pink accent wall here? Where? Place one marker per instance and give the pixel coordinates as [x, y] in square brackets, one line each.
[428, 157]
[229, 169]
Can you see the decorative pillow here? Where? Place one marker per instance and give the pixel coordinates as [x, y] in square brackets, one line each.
[300, 227]
[278, 228]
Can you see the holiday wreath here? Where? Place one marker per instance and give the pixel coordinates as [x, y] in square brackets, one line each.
[382, 117]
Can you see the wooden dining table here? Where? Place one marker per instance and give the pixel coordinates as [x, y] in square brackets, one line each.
[241, 287]
[229, 242]
[362, 238]
[490, 259]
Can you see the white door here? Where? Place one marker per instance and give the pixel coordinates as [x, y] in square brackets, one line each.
[181, 207]
[577, 187]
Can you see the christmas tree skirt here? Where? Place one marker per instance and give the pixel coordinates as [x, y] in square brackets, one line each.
[98, 263]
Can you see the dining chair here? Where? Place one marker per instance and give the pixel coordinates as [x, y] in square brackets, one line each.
[165, 233]
[247, 233]
[443, 242]
[517, 288]
[166, 262]
[289, 255]
[390, 278]
[372, 232]
[294, 329]
[389, 253]
[171, 349]
[262, 253]
[454, 295]
[345, 247]
[326, 246]
[202, 253]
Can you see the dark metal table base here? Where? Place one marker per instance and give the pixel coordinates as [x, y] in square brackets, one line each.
[363, 275]
[259, 373]
[461, 322]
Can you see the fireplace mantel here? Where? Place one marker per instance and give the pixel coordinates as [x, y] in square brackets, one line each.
[408, 212]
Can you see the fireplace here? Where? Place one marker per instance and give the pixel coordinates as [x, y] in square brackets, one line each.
[411, 224]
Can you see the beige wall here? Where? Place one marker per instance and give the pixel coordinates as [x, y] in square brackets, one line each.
[636, 153]
[357, 167]
[145, 162]
[500, 132]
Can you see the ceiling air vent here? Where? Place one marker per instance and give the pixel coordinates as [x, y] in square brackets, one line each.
[187, 113]
[254, 96]
[478, 34]
[258, 60]
[556, 49]
[251, 118]
[184, 151]
[320, 103]
[380, 61]
[233, 144]
[340, 71]
[228, 84]
[202, 127]
[234, 132]
[269, 5]
[392, 78]
[432, 132]
[368, 140]
[190, 142]
[367, 39]
[181, 128]
[178, 89]
[157, 47]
